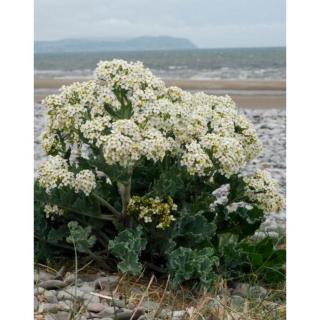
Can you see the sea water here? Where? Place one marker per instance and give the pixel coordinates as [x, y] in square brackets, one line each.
[197, 64]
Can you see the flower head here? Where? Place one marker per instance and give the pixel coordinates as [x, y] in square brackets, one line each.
[262, 189]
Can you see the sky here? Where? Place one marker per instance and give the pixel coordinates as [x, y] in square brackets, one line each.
[207, 23]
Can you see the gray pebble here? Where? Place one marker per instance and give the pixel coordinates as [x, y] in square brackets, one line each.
[63, 295]
[35, 304]
[65, 305]
[89, 298]
[40, 275]
[109, 283]
[52, 284]
[237, 302]
[124, 314]
[95, 307]
[51, 296]
[118, 303]
[48, 307]
[257, 292]
[61, 315]
[38, 290]
[150, 305]
[86, 288]
[241, 289]
[69, 278]
[178, 314]
[106, 312]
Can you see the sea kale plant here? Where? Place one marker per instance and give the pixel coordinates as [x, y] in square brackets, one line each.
[151, 177]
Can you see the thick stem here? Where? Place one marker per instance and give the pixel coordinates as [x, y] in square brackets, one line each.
[125, 193]
[100, 216]
[98, 259]
[62, 246]
[107, 204]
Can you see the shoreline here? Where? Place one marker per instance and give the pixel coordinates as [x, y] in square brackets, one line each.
[257, 94]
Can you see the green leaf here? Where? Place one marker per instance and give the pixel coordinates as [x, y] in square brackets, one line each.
[261, 259]
[57, 235]
[191, 230]
[243, 222]
[81, 237]
[127, 247]
[186, 264]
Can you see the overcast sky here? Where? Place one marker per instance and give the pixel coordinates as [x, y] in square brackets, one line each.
[207, 23]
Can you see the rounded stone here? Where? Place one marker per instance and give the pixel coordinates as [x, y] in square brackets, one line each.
[237, 302]
[108, 282]
[51, 296]
[41, 275]
[52, 284]
[257, 292]
[95, 307]
[38, 290]
[35, 304]
[48, 307]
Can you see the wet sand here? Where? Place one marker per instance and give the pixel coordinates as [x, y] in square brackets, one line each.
[260, 94]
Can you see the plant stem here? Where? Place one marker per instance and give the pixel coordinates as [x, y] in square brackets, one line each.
[100, 216]
[154, 267]
[125, 193]
[98, 259]
[76, 266]
[107, 204]
[62, 246]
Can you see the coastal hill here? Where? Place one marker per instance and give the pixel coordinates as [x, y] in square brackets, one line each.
[95, 45]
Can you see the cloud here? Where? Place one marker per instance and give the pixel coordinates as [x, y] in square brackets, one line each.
[208, 23]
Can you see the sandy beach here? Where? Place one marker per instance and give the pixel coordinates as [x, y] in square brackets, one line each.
[260, 94]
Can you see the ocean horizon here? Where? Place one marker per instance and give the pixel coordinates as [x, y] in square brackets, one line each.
[266, 63]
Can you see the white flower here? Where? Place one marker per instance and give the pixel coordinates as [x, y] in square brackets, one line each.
[52, 210]
[227, 153]
[92, 130]
[247, 135]
[262, 189]
[85, 181]
[54, 173]
[122, 150]
[127, 128]
[51, 142]
[196, 160]
[154, 144]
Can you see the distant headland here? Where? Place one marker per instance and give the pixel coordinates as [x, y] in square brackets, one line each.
[96, 45]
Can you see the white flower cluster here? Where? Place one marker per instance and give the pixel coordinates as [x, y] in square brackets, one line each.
[93, 130]
[54, 173]
[262, 189]
[52, 210]
[227, 153]
[85, 181]
[51, 142]
[139, 82]
[196, 159]
[127, 113]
